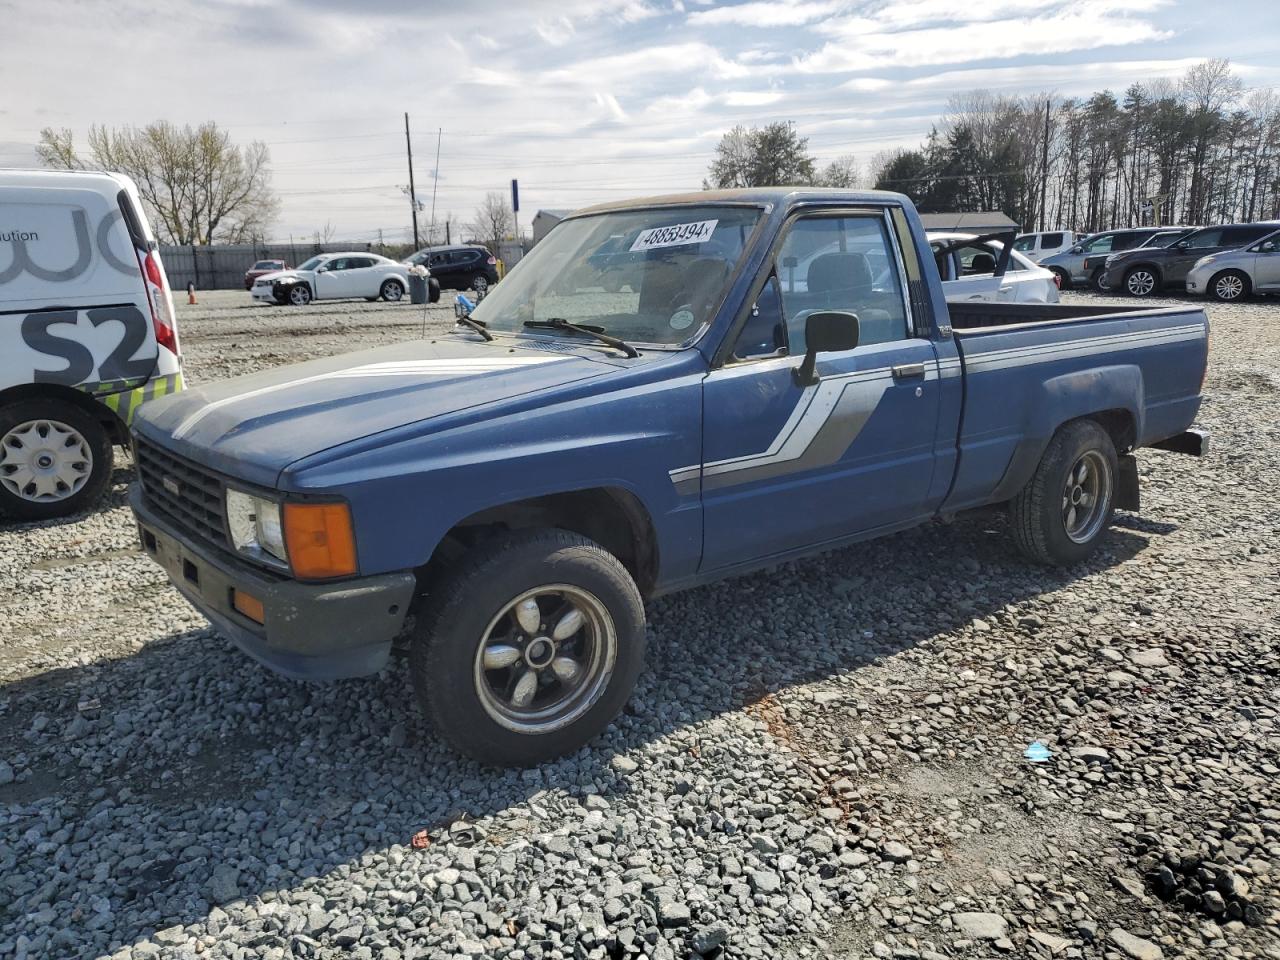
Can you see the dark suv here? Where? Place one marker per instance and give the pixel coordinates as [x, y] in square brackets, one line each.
[1147, 271]
[459, 266]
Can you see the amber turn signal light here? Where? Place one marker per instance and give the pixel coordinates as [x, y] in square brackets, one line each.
[248, 606]
[320, 541]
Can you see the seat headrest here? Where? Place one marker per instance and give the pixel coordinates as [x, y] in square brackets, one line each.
[840, 271]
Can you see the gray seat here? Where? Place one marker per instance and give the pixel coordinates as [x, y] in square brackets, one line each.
[843, 281]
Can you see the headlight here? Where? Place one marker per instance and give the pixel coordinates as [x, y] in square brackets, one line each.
[255, 526]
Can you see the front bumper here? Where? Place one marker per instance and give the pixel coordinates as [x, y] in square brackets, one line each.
[313, 631]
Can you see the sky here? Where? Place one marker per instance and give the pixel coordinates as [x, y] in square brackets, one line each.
[581, 100]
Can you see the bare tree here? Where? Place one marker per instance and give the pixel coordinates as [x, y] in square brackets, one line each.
[57, 149]
[494, 220]
[772, 155]
[841, 172]
[199, 187]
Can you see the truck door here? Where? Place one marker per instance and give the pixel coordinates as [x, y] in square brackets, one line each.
[786, 465]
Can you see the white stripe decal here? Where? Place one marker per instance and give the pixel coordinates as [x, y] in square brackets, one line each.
[815, 404]
[460, 366]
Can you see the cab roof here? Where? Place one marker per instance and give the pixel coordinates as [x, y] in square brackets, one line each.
[763, 196]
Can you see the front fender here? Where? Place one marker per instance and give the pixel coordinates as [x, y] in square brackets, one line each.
[1062, 399]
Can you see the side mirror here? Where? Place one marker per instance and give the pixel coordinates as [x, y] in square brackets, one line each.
[825, 332]
[323, 268]
[1077, 249]
[1181, 245]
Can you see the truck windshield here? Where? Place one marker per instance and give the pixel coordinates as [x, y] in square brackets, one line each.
[645, 276]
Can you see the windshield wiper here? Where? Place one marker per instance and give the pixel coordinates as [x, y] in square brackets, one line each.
[477, 325]
[559, 323]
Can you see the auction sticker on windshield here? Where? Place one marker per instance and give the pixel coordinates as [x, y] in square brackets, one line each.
[676, 235]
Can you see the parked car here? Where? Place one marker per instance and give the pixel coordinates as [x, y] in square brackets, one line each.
[261, 269]
[87, 334]
[1069, 265]
[1037, 246]
[459, 266]
[1236, 274]
[973, 268]
[501, 500]
[334, 276]
[1147, 271]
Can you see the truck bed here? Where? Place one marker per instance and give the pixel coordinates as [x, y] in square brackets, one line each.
[1028, 368]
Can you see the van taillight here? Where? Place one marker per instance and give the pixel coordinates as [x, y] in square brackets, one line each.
[161, 316]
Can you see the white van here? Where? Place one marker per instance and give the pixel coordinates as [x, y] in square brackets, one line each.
[1037, 246]
[87, 333]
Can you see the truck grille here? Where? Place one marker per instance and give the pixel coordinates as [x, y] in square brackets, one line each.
[188, 496]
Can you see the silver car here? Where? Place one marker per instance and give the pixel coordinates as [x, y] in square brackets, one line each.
[1234, 274]
[1082, 264]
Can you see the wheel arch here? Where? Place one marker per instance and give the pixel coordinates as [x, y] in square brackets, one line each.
[613, 517]
[1243, 275]
[115, 427]
[1154, 268]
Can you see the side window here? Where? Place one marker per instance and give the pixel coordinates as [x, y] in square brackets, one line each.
[1023, 244]
[976, 261]
[764, 333]
[846, 264]
[361, 263]
[1240, 236]
[1205, 238]
[1104, 244]
[1014, 263]
[1051, 241]
[471, 256]
[339, 263]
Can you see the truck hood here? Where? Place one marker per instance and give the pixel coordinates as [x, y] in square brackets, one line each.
[252, 427]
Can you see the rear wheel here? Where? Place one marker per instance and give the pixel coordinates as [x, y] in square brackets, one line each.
[1141, 282]
[529, 648]
[392, 290]
[1063, 511]
[1229, 286]
[480, 284]
[300, 295]
[55, 459]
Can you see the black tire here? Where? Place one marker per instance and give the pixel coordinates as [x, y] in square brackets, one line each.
[480, 284]
[1039, 515]
[392, 291]
[1230, 286]
[612, 281]
[465, 610]
[1142, 282]
[1064, 278]
[372, 299]
[299, 295]
[1095, 281]
[27, 502]
[433, 290]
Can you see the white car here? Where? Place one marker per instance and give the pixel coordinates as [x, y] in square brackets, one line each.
[1037, 246]
[970, 269]
[334, 276]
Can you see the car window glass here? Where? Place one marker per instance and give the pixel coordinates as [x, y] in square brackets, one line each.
[1102, 244]
[311, 264]
[1205, 238]
[976, 261]
[1270, 245]
[1016, 263]
[1023, 244]
[1050, 241]
[1239, 236]
[764, 333]
[360, 263]
[844, 264]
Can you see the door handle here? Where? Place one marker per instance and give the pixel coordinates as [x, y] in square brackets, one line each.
[1006, 288]
[906, 371]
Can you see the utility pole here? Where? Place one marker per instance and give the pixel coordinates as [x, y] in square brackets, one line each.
[435, 182]
[413, 196]
[1044, 168]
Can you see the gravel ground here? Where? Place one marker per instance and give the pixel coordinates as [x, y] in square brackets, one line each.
[822, 760]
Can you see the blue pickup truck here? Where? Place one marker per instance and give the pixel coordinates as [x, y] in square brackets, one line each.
[779, 375]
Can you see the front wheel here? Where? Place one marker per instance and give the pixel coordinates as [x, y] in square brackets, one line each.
[529, 648]
[1063, 511]
[55, 459]
[300, 295]
[1229, 286]
[1095, 281]
[1141, 282]
[392, 290]
[1063, 277]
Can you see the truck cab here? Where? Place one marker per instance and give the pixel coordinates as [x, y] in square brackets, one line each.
[780, 374]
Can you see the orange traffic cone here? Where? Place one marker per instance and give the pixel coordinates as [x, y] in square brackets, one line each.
[191, 293]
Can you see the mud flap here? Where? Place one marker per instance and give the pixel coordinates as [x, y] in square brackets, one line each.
[1127, 495]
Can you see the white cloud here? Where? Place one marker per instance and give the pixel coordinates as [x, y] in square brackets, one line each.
[751, 98]
[765, 13]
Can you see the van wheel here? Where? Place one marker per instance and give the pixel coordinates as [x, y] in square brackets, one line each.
[529, 648]
[1062, 512]
[1141, 282]
[1229, 286]
[55, 459]
[392, 290]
